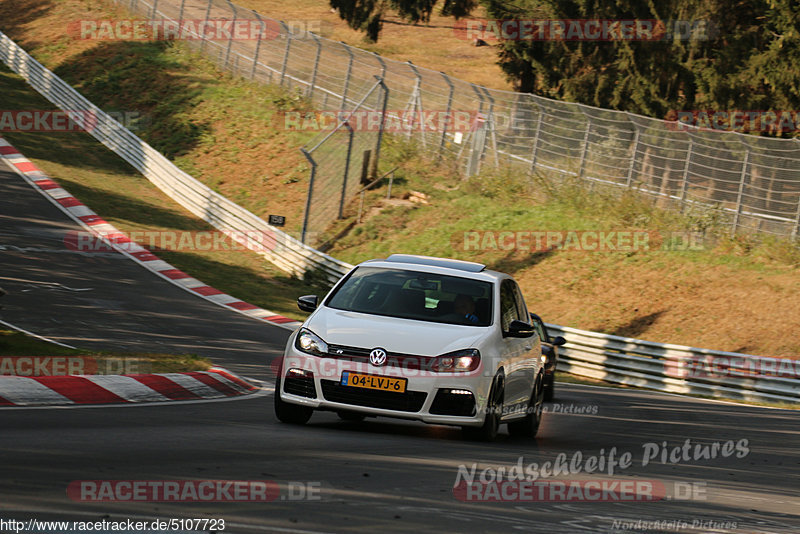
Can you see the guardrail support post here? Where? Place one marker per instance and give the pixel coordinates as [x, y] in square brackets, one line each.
[347, 76]
[346, 166]
[449, 110]
[739, 196]
[310, 193]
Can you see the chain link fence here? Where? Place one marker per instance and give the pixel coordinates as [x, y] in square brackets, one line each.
[342, 160]
[752, 183]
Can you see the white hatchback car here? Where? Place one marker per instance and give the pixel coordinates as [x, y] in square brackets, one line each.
[414, 337]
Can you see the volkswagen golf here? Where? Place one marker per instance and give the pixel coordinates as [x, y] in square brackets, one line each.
[436, 340]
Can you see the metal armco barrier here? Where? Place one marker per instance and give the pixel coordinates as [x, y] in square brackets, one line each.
[279, 248]
[677, 368]
[659, 366]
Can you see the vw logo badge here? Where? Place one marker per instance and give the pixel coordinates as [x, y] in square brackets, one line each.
[377, 357]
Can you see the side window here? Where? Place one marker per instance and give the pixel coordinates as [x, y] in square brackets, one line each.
[522, 309]
[508, 304]
[539, 326]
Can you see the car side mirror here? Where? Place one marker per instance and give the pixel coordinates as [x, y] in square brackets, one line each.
[519, 328]
[558, 341]
[307, 303]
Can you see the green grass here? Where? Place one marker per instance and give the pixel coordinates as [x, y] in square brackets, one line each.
[17, 344]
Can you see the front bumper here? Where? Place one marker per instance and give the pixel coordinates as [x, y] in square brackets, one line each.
[315, 382]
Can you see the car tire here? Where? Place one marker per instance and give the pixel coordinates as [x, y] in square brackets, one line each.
[529, 426]
[494, 407]
[353, 417]
[292, 414]
[550, 388]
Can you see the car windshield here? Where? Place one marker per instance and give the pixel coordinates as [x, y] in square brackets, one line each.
[415, 295]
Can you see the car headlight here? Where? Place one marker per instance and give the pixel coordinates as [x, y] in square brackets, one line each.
[310, 343]
[460, 361]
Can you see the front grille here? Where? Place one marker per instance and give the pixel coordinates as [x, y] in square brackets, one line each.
[410, 401]
[302, 386]
[447, 403]
[393, 359]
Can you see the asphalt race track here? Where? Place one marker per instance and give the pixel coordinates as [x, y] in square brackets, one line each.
[106, 301]
[333, 476]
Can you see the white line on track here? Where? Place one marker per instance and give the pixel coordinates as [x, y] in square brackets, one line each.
[37, 336]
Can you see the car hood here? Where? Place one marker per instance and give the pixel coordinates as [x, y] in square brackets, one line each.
[404, 336]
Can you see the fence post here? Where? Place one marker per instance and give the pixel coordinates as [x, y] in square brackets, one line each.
[491, 123]
[310, 193]
[385, 88]
[230, 40]
[180, 15]
[205, 25]
[347, 76]
[286, 50]
[383, 65]
[153, 11]
[741, 191]
[632, 164]
[535, 149]
[796, 229]
[415, 102]
[316, 67]
[585, 144]
[346, 166]
[478, 138]
[447, 113]
[261, 37]
[685, 184]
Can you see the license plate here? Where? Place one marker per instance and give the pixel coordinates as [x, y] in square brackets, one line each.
[383, 383]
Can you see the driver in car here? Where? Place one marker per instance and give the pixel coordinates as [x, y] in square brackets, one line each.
[464, 309]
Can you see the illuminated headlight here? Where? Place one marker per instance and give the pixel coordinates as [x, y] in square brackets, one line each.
[310, 343]
[460, 361]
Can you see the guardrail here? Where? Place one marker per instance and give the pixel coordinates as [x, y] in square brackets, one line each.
[659, 366]
[279, 248]
[677, 368]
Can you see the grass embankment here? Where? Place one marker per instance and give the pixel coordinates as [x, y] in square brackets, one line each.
[732, 294]
[17, 344]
